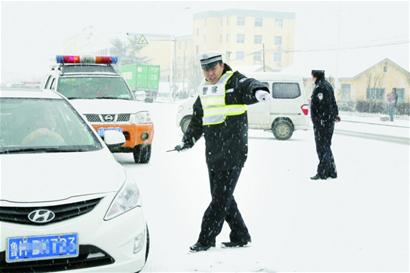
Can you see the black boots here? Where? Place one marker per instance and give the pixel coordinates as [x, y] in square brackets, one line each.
[200, 247]
[236, 244]
[204, 247]
[317, 177]
[333, 175]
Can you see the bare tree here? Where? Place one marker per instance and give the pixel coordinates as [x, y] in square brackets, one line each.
[374, 82]
[128, 51]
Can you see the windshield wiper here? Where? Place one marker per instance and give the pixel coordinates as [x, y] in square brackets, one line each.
[75, 98]
[111, 98]
[43, 150]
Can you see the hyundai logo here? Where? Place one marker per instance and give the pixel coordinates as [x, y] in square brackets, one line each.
[41, 216]
[108, 117]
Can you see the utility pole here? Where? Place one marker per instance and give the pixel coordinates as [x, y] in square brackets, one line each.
[174, 39]
[263, 57]
[339, 15]
[228, 56]
[183, 73]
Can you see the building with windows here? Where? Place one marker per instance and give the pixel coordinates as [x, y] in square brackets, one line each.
[247, 37]
[262, 40]
[159, 50]
[374, 83]
[187, 71]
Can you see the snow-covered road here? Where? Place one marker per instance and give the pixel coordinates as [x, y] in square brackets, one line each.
[373, 128]
[358, 222]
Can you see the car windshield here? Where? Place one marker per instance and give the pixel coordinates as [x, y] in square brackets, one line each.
[94, 88]
[30, 125]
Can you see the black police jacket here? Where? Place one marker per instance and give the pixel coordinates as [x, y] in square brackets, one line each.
[226, 143]
[323, 107]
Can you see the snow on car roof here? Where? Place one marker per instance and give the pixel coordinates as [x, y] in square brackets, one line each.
[38, 94]
[274, 76]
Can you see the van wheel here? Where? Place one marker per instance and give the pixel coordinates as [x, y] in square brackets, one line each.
[185, 123]
[282, 129]
[142, 153]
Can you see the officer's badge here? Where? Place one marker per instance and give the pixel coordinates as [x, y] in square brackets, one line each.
[320, 96]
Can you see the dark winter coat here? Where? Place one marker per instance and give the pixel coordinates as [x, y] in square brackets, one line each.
[226, 143]
[323, 107]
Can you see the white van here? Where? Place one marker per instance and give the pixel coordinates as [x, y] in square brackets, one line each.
[288, 111]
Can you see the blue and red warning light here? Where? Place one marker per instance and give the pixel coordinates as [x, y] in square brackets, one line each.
[86, 59]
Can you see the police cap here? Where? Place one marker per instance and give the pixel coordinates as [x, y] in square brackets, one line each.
[210, 59]
[318, 74]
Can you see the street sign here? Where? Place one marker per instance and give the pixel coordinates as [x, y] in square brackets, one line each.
[141, 40]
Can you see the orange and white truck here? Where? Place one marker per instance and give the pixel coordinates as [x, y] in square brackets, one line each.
[99, 93]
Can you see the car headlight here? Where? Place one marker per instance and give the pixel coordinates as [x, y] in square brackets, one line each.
[127, 198]
[140, 117]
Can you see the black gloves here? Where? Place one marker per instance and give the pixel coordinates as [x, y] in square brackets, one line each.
[185, 144]
[181, 147]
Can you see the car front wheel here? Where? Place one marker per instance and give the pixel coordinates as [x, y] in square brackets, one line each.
[142, 153]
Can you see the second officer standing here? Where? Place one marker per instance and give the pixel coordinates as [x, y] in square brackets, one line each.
[324, 114]
[220, 114]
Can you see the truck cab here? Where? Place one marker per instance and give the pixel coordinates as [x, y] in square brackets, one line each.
[142, 78]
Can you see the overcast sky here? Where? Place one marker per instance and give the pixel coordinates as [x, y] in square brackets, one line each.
[32, 33]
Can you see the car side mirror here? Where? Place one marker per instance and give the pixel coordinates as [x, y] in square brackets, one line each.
[139, 95]
[113, 138]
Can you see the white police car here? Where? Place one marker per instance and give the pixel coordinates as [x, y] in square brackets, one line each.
[65, 202]
[98, 92]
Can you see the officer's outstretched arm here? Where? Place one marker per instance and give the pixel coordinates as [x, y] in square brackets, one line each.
[248, 88]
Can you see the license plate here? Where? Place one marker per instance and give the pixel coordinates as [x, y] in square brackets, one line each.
[21, 249]
[102, 130]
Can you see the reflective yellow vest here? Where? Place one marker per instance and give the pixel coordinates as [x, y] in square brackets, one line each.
[213, 102]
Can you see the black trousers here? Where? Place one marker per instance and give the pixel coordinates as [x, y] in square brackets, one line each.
[222, 208]
[323, 139]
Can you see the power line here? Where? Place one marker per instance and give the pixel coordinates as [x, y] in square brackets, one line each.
[346, 48]
[330, 49]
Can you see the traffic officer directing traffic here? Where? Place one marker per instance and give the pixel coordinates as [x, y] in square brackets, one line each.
[220, 113]
[324, 113]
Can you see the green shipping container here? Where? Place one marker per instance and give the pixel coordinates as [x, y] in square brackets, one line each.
[142, 77]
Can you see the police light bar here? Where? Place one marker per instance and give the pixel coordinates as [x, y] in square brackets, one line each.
[86, 59]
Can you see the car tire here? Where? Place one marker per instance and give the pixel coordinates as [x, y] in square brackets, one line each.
[147, 246]
[142, 153]
[185, 123]
[282, 129]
